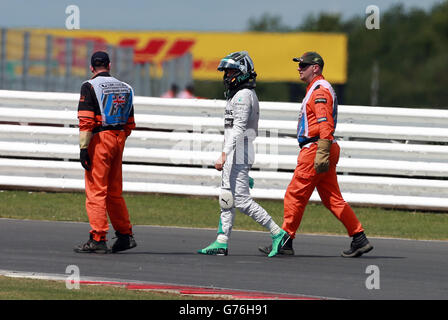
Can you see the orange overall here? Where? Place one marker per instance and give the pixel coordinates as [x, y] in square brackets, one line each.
[319, 114]
[103, 182]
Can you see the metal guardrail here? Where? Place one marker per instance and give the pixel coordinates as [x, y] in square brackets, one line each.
[391, 157]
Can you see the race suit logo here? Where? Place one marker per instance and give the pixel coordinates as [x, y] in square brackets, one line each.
[117, 102]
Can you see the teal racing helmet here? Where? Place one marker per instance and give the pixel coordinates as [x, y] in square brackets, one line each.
[244, 66]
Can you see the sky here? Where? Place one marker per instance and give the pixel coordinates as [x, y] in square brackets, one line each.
[181, 15]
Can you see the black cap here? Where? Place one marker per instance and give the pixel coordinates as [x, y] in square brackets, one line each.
[100, 59]
[310, 58]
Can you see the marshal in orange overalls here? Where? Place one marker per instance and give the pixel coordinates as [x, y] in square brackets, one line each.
[103, 182]
[317, 121]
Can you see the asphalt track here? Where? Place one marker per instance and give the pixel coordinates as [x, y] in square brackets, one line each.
[408, 269]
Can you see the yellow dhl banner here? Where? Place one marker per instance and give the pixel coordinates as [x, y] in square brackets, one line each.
[272, 53]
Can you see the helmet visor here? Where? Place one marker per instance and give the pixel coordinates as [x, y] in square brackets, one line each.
[228, 64]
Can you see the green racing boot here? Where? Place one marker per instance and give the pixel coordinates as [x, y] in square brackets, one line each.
[216, 248]
[278, 241]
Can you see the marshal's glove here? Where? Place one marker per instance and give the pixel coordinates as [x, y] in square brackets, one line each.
[84, 140]
[322, 159]
[85, 159]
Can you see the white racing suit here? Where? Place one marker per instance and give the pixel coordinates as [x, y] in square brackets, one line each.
[240, 130]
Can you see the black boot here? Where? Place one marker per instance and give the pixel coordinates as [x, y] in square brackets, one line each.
[285, 250]
[92, 246]
[358, 247]
[123, 242]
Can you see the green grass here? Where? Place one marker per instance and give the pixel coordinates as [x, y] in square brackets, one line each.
[198, 212]
[202, 212]
[33, 289]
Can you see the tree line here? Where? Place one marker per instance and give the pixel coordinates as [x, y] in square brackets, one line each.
[402, 64]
